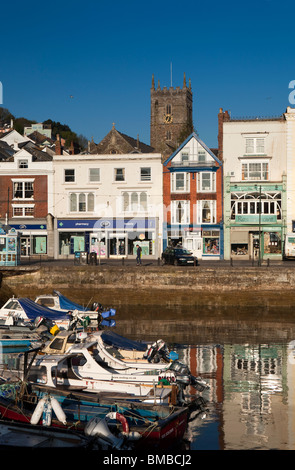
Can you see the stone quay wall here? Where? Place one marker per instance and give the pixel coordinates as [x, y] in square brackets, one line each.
[156, 285]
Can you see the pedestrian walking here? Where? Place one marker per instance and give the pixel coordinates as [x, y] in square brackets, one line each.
[138, 255]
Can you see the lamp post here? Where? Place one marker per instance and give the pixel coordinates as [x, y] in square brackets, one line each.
[259, 256]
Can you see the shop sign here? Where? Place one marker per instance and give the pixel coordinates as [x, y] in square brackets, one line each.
[255, 219]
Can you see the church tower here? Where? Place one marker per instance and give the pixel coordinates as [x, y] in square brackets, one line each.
[171, 117]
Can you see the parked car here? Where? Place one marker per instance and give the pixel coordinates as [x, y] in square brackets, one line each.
[178, 256]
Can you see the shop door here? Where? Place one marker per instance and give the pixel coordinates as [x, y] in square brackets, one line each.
[25, 246]
[118, 245]
[194, 245]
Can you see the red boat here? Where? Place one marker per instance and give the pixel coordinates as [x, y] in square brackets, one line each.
[141, 426]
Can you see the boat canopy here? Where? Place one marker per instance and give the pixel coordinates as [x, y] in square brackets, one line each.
[113, 339]
[34, 310]
[67, 304]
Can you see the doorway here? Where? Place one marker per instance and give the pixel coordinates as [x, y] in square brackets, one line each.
[117, 246]
[25, 246]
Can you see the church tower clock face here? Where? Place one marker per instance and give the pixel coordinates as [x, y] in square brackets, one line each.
[171, 116]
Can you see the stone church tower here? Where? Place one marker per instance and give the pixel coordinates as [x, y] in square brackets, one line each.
[171, 117]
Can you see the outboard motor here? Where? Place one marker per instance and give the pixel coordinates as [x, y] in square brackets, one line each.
[96, 307]
[185, 378]
[97, 427]
[157, 351]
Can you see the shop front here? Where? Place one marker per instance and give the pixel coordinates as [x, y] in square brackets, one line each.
[33, 239]
[205, 242]
[256, 243]
[109, 238]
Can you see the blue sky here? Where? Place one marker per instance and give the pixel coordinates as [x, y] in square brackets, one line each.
[90, 64]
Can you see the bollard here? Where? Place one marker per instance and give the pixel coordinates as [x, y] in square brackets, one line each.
[159, 261]
[267, 262]
[231, 261]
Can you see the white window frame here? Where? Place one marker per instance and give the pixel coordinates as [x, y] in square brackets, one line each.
[92, 177]
[210, 205]
[79, 201]
[186, 182]
[201, 179]
[255, 146]
[262, 173]
[185, 207]
[116, 174]
[23, 190]
[134, 201]
[148, 175]
[23, 207]
[67, 176]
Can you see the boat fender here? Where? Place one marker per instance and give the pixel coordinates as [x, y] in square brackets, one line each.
[60, 414]
[121, 418]
[47, 412]
[35, 418]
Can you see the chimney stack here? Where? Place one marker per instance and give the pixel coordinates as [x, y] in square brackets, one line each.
[58, 150]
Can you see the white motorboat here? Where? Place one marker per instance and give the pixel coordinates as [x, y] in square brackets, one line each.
[23, 310]
[59, 302]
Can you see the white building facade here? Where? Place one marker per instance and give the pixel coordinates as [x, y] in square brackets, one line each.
[256, 161]
[108, 204]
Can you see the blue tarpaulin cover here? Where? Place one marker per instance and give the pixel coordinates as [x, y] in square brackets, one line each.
[117, 341]
[70, 305]
[34, 310]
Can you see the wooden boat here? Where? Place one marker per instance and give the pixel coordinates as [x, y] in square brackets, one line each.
[115, 424]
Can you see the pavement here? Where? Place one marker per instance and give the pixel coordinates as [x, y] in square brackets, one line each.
[27, 262]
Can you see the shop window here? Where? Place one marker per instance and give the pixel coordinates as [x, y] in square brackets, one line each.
[272, 242]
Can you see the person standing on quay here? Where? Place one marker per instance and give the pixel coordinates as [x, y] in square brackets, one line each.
[138, 255]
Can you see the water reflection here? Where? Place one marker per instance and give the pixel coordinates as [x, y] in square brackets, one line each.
[251, 397]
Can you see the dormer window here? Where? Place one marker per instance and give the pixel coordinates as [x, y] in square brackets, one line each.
[23, 164]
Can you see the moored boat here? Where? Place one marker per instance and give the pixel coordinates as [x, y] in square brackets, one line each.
[22, 310]
[140, 426]
[57, 301]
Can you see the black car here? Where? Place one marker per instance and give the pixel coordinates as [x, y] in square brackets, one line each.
[178, 256]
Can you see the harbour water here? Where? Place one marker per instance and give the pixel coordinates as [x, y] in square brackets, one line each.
[248, 360]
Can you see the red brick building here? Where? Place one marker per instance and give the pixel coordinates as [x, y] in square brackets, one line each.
[26, 195]
[193, 199]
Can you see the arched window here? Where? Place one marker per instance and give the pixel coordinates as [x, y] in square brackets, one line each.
[73, 202]
[90, 207]
[143, 201]
[82, 202]
[168, 109]
[125, 201]
[134, 201]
